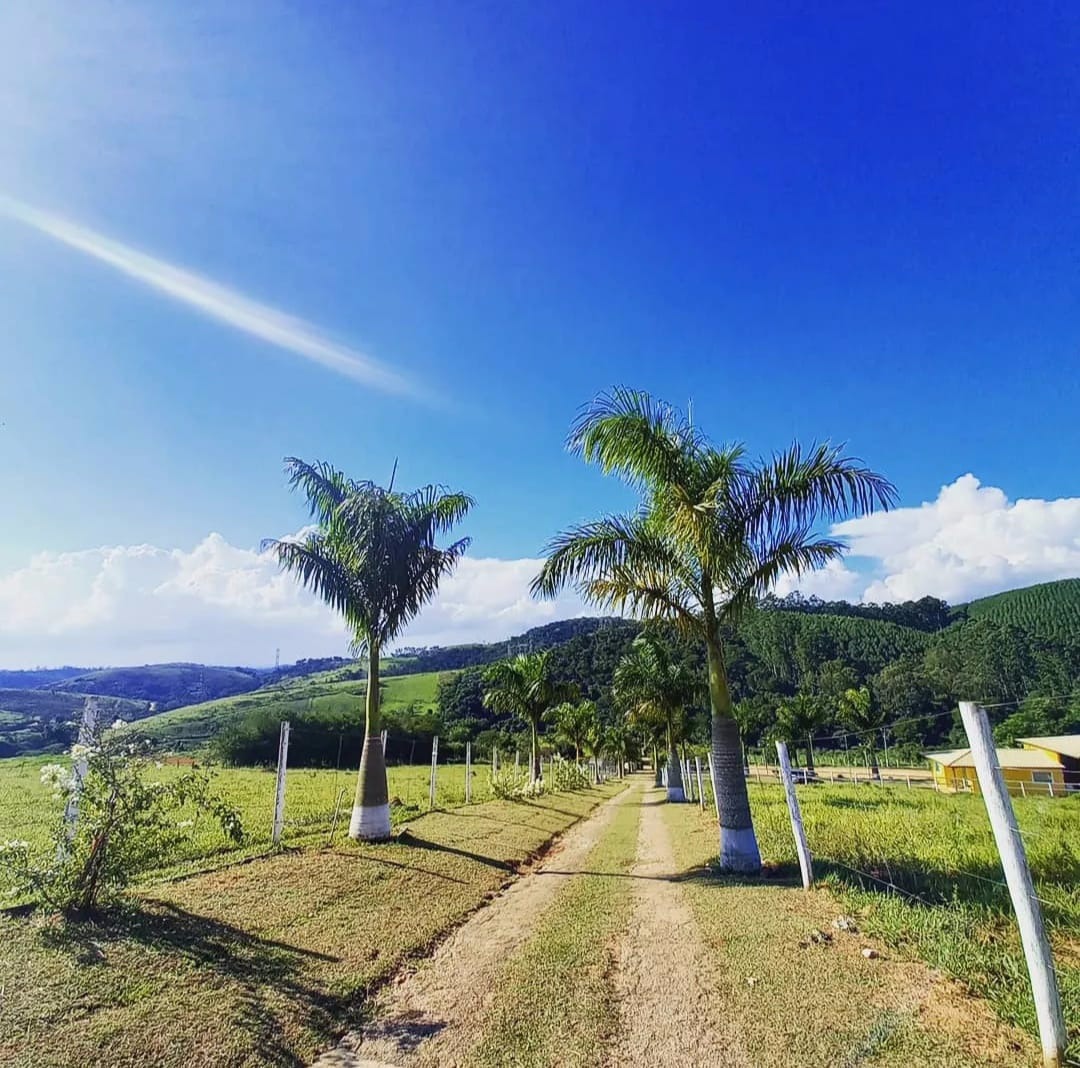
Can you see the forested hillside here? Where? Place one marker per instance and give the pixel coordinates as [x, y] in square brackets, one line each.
[1049, 611]
[1013, 652]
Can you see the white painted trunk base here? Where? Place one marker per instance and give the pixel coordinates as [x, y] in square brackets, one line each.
[676, 793]
[739, 850]
[370, 822]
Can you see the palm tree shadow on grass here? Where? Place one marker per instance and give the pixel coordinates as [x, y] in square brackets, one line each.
[268, 973]
[441, 847]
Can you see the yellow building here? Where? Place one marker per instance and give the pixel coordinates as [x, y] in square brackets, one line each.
[1065, 749]
[1026, 771]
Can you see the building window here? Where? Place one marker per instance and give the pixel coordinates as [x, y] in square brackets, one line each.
[1042, 776]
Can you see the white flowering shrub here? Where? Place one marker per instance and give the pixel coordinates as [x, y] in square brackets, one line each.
[127, 822]
[513, 783]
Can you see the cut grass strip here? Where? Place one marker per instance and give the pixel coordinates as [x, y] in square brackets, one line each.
[556, 1001]
[264, 963]
[799, 998]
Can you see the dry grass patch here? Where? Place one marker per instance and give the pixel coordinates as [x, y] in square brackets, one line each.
[262, 963]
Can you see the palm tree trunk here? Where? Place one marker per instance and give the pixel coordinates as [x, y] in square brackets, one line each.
[809, 755]
[738, 843]
[658, 774]
[371, 808]
[875, 771]
[675, 791]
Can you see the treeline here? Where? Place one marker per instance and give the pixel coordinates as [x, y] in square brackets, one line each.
[916, 677]
[928, 613]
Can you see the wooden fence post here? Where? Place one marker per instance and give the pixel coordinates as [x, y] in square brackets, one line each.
[434, 765]
[1029, 918]
[279, 794]
[805, 865]
[468, 773]
[700, 792]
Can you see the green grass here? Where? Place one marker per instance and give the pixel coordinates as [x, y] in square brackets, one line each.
[28, 811]
[789, 999]
[323, 693]
[949, 905]
[556, 1000]
[260, 963]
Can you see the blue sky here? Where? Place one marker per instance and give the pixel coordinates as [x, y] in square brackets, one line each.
[859, 226]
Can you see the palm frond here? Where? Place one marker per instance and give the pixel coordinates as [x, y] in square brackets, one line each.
[803, 489]
[323, 484]
[790, 553]
[644, 441]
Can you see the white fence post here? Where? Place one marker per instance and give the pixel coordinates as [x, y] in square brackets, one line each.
[468, 773]
[1021, 888]
[700, 792]
[88, 730]
[434, 766]
[712, 781]
[797, 828]
[384, 745]
[494, 759]
[279, 795]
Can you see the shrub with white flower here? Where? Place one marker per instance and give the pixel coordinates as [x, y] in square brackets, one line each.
[126, 823]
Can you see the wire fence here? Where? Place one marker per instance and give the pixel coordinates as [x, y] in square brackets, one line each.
[920, 867]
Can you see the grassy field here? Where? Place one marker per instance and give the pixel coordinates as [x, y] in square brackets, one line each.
[260, 963]
[28, 811]
[792, 998]
[921, 870]
[325, 692]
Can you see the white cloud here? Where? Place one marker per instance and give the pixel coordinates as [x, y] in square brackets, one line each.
[213, 300]
[218, 603]
[969, 542]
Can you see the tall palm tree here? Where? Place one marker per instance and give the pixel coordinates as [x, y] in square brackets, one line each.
[573, 721]
[712, 534]
[524, 686]
[861, 711]
[372, 556]
[652, 688]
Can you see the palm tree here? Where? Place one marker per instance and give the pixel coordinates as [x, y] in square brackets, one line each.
[797, 718]
[654, 689]
[524, 686]
[712, 534]
[373, 557]
[860, 710]
[574, 720]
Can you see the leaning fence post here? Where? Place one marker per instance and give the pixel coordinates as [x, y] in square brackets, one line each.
[468, 773]
[434, 765]
[700, 792]
[805, 865]
[712, 781]
[1029, 918]
[279, 794]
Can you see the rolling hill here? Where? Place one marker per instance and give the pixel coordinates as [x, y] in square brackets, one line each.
[325, 693]
[44, 721]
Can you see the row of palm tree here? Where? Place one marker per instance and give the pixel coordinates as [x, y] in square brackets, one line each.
[712, 533]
